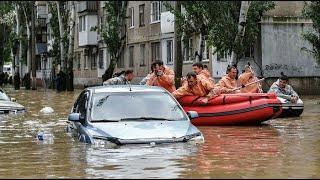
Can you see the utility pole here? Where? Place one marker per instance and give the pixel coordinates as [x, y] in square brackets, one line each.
[178, 50]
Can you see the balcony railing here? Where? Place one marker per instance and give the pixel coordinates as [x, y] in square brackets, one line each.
[90, 6]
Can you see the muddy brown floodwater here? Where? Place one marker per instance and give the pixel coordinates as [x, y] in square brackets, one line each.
[279, 148]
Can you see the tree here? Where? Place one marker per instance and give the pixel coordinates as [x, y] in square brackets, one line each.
[7, 15]
[312, 10]
[113, 33]
[241, 27]
[219, 20]
[71, 47]
[178, 51]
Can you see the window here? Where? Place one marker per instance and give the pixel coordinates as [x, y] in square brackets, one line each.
[249, 53]
[81, 105]
[155, 11]
[79, 60]
[169, 52]
[101, 22]
[86, 62]
[222, 57]
[131, 11]
[93, 61]
[188, 51]
[121, 62]
[155, 51]
[82, 23]
[141, 15]
[191, 53]
[142, 54]
[101, 59]
[133, 105]
[206, 52]
[131, 59]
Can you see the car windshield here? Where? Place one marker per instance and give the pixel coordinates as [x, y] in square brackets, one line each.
[135, 106]
[3, 96]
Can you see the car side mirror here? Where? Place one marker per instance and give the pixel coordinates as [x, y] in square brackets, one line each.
[74, 117]
[192, 114]
[13, 99]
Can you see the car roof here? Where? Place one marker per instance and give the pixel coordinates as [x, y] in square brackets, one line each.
[126, 88]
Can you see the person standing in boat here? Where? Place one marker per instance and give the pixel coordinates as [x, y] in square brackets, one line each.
[283, 89]
[248, 77]
[123, 79]
[228, 82]
[197, 86]
[162, 76]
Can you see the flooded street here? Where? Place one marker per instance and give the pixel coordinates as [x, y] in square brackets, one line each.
[279, 148]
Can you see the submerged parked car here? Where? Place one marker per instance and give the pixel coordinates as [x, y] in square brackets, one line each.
[131, 115]
[8, 105]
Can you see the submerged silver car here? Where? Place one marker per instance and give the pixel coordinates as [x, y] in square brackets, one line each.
[131, 115]
[8, 105]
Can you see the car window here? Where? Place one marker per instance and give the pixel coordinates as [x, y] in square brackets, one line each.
[117, 106]
[80, 105]
[3, 96]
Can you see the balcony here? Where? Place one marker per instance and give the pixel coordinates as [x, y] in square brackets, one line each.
[41, 22]
[89, 6]
[41, 11]
[167, 22]
[87, 38]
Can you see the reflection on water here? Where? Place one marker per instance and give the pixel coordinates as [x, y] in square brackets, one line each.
[281, 148]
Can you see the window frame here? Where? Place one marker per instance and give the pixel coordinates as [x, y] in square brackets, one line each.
[153, 14]
[131, 56]
[171, 51]
[143, 55]
[131, 19]
[141, 15]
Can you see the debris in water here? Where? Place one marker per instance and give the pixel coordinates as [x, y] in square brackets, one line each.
[47, 110]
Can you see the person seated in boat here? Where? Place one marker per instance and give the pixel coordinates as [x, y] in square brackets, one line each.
[122, 79]
[197, 86]
[162, 76]
[228, 82]
[198, 69]
[145, 79]
[247, 77]
[283, 89]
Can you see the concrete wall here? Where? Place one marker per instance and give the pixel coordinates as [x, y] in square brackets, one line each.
[281, 50]
[302, 85]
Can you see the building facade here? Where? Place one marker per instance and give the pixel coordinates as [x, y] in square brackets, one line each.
[150, 37]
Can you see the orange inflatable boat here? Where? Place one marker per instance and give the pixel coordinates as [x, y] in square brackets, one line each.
[233, 109]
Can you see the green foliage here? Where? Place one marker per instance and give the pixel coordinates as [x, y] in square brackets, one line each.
[112, 32]
[219, 21]
[312, 11]
[54, 24]
[111, 29]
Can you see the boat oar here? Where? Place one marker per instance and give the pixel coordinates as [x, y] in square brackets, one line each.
[247, 85]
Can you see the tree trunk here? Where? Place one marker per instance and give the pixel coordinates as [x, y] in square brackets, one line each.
[241, 28]
[28, 41]
[33, 52]
[61, 30]
[71, 48]
[1, 47]
[178, 50]
[16, 79]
